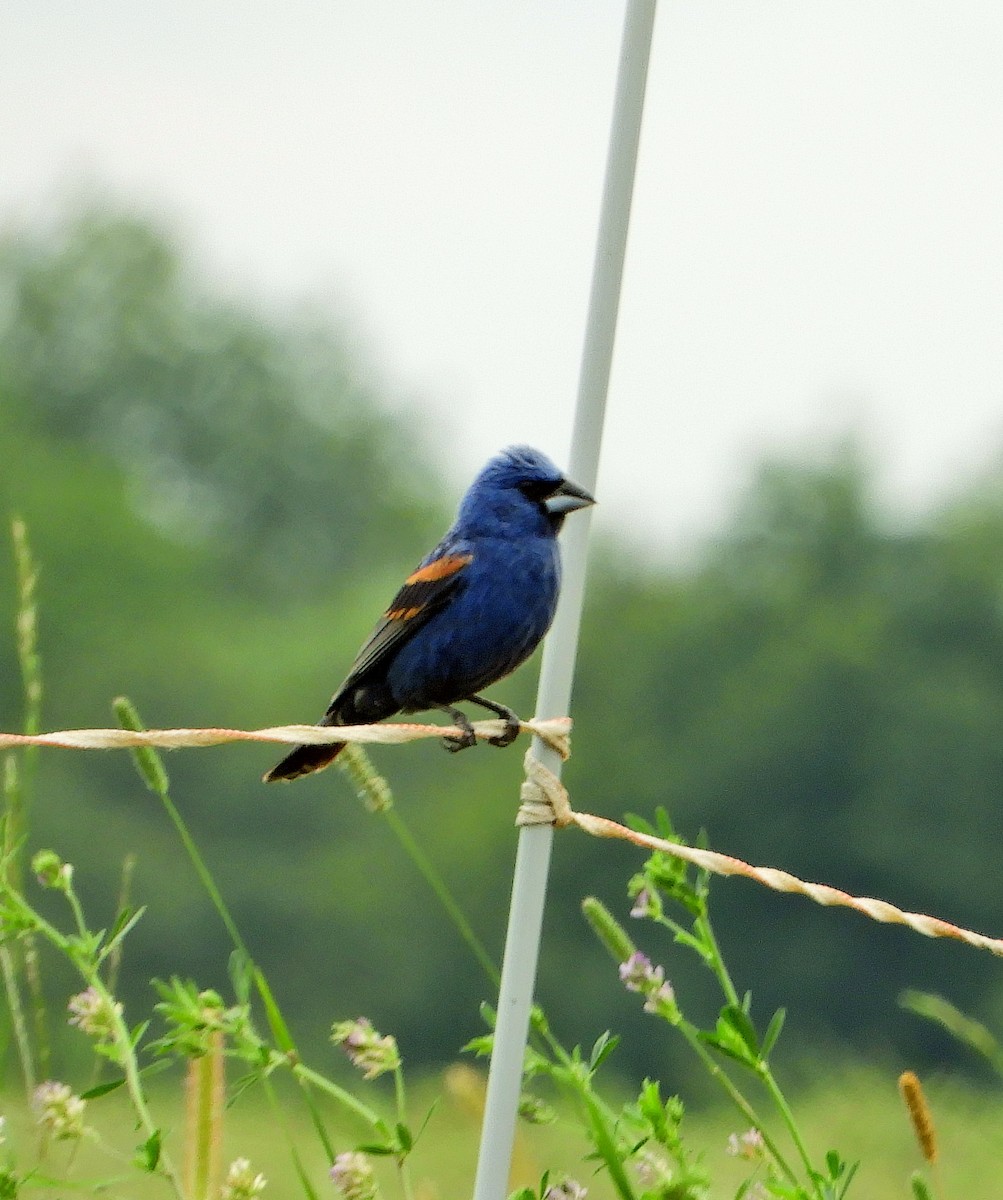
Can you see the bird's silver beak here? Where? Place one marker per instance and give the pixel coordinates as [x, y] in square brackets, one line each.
[566, 498]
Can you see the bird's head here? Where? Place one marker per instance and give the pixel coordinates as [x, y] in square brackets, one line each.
[520, 489]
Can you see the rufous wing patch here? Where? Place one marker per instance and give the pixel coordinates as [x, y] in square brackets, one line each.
[440, 568]
[403, 614]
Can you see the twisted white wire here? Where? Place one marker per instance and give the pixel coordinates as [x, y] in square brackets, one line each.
[553, 730]
[545, 801]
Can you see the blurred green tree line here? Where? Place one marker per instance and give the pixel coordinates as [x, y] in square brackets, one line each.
[221, 505]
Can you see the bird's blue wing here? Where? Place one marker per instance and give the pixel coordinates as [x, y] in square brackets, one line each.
[425, 591]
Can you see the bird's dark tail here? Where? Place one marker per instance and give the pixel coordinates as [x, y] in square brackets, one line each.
[304, 760]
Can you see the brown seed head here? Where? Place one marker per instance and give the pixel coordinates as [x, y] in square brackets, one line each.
[919, 1114]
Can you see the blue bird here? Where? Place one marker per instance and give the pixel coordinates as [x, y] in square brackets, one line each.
[474, 609]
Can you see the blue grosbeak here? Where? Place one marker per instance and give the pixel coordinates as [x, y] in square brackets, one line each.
[473, 610]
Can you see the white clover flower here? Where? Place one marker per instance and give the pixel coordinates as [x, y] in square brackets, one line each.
[242, 1181]
[748, 1145]
[353, 1176]
[93, 1014]
[58, 1110]
[570, 1189]
[652, 1170]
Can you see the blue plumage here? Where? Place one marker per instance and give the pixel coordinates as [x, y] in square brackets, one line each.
[473, 610]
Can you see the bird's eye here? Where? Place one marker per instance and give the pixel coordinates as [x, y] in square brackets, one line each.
[538, 489]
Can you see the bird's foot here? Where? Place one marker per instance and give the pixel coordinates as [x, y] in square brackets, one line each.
[466, 738]
[513, 726]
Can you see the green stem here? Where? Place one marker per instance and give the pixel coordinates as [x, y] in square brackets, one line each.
[11, 878]
[78, 912]
[120, 1033]
[276, 1021]
[403, 1165]
[375, 793]
[203, 872]
[16, 790]
[442, 893]
[786, 1113]
[133, 1083]
[151, 771]
[605, 1143]
[283, 1123]
[703, 929]
[720, 1076]
[204, 1127]
[599, 1113]
[17, 1019]
[307, 1075]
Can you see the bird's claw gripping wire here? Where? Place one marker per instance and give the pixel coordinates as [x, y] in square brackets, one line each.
[468, 737]
[513, 727]
[465, 738]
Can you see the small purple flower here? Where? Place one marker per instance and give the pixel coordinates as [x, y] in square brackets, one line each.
[353, 1176]
[639, 975]
[368, 1050]
[637, 972]
[645, 904]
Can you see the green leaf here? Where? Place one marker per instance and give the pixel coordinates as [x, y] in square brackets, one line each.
[919, 1187]
[276, 1021]
[124, 923]
[653, 1111]
[241, 971]
[738, 1019]
[304, 1178]
[603, 1047]
[148, 1154]
[958, 1024]
[481, 1046]
[102, 1089]
[730, 1040]
[377, 1149]
[606, 1148]
[773, 1031]
[488, 1014]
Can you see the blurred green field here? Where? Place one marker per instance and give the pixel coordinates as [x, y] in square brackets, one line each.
[855, 1109]
[219, 504]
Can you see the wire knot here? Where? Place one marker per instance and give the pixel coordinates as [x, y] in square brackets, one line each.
[543, 798]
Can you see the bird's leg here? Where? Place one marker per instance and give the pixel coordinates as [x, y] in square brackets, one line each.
[467, 738]
[512, 723]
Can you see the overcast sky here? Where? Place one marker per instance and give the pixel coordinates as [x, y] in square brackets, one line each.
[816, 247]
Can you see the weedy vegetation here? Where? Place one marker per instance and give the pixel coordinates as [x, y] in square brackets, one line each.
[192, 1098]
